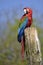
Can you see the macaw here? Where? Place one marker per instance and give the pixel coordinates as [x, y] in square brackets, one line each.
[25, 21]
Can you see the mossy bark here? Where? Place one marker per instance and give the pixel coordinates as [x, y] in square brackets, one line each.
[32, 46]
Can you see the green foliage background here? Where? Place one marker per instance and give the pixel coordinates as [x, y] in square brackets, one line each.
[10, 48]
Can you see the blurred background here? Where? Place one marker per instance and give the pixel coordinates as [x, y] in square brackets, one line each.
[10, 13]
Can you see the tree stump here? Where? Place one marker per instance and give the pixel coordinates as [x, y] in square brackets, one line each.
[32, 46]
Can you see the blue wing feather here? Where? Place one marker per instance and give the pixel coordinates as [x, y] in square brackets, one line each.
[22, 27]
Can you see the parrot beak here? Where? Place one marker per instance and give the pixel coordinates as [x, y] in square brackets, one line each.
[25, 11]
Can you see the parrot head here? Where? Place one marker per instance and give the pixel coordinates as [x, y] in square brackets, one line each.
[27, 10]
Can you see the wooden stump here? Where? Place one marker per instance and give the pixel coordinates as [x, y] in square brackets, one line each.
[32, 46]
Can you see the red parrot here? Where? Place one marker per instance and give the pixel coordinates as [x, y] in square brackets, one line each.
[28, 15]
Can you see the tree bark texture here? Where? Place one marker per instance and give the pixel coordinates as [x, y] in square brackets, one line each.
[32, 46]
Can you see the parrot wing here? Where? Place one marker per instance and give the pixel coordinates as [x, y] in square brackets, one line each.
[23, 24]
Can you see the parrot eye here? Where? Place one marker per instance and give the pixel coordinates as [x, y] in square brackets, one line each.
[26, 12]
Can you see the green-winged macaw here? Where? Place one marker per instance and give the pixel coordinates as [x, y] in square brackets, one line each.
[25, 21]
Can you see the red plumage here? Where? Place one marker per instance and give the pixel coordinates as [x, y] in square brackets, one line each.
[29, 16]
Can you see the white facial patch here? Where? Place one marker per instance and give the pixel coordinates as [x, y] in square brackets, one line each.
[25, 11]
